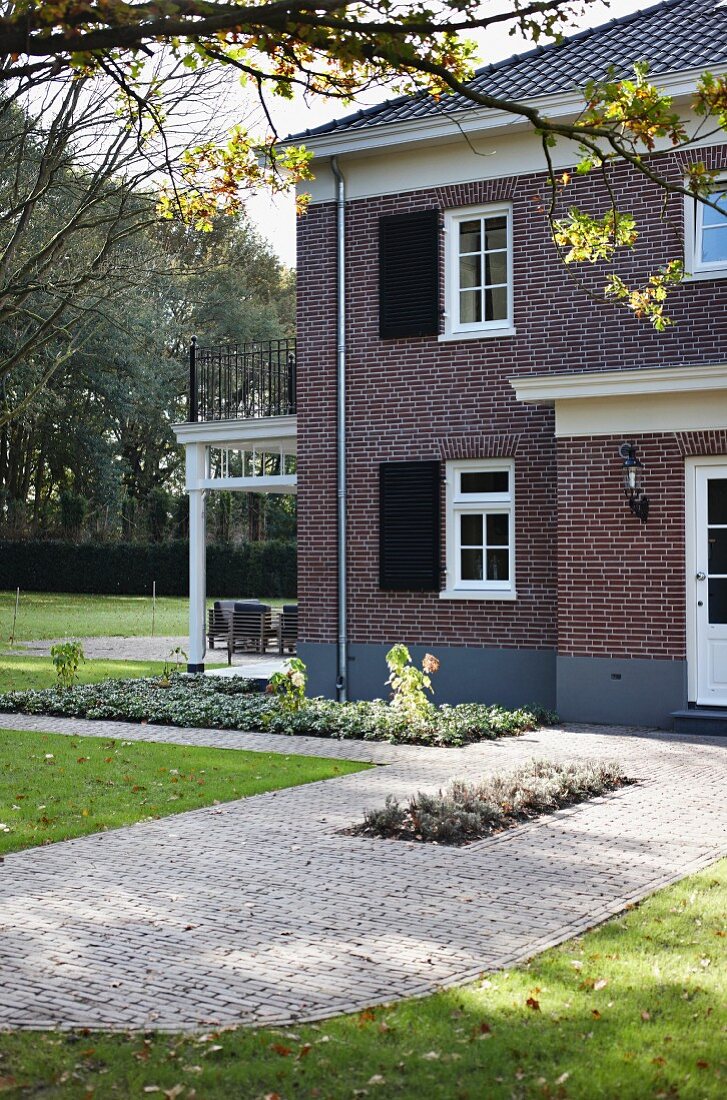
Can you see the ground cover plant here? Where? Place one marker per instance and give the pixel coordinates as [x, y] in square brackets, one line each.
[53, 787]
[58, 615]
[233, 703]
[470, 811]
[632, 1010]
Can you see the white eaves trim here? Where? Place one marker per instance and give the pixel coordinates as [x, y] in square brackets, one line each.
[547, 389]
[262, 432]
[377, 138]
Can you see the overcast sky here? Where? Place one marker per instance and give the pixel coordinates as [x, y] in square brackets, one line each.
[275, 217]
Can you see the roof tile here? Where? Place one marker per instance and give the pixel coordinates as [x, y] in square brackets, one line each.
[672, 36]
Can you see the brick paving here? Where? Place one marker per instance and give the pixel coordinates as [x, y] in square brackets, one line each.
[260, 911]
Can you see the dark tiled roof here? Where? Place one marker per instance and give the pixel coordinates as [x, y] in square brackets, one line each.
[673, 36]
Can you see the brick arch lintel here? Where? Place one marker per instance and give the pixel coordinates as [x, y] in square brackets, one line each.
[503, 445]
[702, 443]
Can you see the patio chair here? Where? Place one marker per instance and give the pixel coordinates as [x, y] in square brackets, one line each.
[218, 621]
[251, 629]
[288, 628]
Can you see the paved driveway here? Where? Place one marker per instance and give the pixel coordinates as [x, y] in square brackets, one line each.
[259, 911]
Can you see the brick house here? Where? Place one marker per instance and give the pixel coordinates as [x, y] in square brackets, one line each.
[473, 504]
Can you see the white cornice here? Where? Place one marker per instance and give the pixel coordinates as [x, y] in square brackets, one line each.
[548, 389]
[472, 121]
[267, 431]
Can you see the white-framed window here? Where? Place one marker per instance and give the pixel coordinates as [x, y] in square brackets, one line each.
[480, 529]
[478, 272]
[706, 235]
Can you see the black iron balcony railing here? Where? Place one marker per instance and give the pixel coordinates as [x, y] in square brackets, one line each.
[241, 381]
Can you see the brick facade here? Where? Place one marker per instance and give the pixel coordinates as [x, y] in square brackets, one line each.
[590, 578]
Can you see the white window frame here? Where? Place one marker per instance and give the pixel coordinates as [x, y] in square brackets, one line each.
[693, 228]
[453, 328]
[459, 503]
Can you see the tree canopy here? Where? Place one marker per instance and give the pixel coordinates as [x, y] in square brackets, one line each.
[339, 49]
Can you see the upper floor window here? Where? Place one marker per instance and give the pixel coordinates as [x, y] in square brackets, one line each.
[706, 238]
[478, 274]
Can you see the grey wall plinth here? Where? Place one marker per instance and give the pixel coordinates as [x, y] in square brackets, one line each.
[320, 661]
[466, 675]
[620, 691]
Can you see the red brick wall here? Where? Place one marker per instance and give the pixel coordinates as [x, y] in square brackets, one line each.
[621, 583]
[418, 399]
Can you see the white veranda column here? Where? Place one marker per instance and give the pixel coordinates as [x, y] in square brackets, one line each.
[196, 472]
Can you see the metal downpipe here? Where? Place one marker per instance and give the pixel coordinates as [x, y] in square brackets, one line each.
[342, 627]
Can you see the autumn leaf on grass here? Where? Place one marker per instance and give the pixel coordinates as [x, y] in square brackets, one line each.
[532, 1003]
[281, 1050]
[600, 984]
[645, 1015]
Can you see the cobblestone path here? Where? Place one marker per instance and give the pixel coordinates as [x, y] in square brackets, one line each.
[259, 911]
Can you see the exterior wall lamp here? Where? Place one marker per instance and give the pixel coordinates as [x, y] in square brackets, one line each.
[633, 485]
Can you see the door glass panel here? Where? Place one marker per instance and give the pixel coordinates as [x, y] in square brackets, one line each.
[717, 500]
[718, 601]
[471, 561]
[497, 531]
[717, 542]
[471, 530]
[498, 565]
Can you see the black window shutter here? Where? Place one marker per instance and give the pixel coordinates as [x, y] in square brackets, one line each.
[409, 536]
[409, 274]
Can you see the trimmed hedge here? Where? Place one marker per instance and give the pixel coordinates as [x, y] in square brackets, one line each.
[130, 568]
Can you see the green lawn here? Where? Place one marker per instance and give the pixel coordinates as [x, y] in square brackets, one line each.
[630, 1011]
[54, 615]
[53, 787]
[20, 673]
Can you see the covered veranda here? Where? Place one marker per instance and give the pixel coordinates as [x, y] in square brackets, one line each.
[240, 437]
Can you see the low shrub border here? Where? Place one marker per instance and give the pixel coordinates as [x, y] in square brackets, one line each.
[220, 703]
[467, 812]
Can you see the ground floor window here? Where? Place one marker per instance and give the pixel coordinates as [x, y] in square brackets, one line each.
[480, 528]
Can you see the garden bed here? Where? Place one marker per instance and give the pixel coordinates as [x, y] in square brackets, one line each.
[468, 812]
[221, 703]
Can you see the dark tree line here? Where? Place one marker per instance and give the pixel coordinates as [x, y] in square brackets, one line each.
[98, 298]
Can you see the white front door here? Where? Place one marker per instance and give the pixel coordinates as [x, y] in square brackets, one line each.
[710, 583]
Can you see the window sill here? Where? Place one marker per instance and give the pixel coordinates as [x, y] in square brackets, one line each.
[483, 334]
[477, 594]
[700, 276]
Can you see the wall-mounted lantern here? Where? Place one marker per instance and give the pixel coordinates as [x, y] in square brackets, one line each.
[633, 481]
